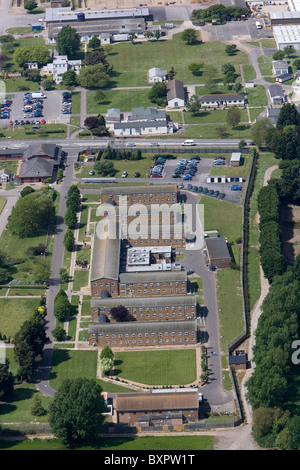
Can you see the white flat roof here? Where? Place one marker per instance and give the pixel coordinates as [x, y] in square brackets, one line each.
[60, 14]
[294, 5]
[288, 34]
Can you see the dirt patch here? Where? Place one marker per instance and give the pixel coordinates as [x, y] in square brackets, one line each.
[290, 226]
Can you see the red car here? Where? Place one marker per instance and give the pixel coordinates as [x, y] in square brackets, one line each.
[11, 123]
[43, 121]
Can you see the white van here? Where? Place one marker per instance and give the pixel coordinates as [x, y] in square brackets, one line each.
[188, 142]
[38, 94]
[258, 25]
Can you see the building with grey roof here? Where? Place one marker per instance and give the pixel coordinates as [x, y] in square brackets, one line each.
[218, 253]
[223, 99]
[176, 94]
[276, 94]
[155, 74]
[142, 334]
[39, 162]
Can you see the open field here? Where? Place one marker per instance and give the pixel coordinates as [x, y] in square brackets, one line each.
[223, 216]
[257, 96]
[163, 443]
[13, 313]
[124, 100]
[215, 116]
[131, 62]
[163, 367]
[72, 364]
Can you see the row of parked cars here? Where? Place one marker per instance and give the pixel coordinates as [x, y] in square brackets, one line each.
[220, 161]
[158, 168]
[5, 108]
[186, 169]
[66, 103]
[203, 190]
[33, 105]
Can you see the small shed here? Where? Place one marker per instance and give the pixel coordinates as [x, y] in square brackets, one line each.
[235, 159]
[218, 253]
[238, 360]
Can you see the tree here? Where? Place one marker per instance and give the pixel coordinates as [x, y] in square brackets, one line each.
[94, 43]
[63, 274]
[194, 105]
[158, 93]
[59, 333]
[227, 68]
[148, 34]
[289, 51]
[6, 381]
[81, 422]
[91, 122]
[190, 36]
[104, 168]
[106, 364]
[195, 68]
[97, 57]
[233, 116]
[68, 42]
[120, 313]
[48, 84]
[31, 215]
[69, 78]
[62, 306]
[93, 76]
[70, 218]
[32, 75]
[41, 271]
[279, 55]
[69, 240]
[132, 37]
[288, 115]
[260, 132]
[37, 408]
[231, 49]
[30, 5]
[157, 34]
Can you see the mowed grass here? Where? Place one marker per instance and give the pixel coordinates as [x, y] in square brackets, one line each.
[226, 217]
[216, 116]
[71, 365]
[242, 170]
[168, 367]
[2, 203]
[131, 62]
[257, 96]
[124, 100]
[14, 312]
[147, 443]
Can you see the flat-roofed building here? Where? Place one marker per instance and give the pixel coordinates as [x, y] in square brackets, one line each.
[155, 194]
[156, 409]
[134, 334]
[218, 253]
[222, 99]
[287, 36]
[179, 307]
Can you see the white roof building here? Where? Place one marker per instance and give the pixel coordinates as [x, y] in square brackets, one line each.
[59, 66]
[157, 75]
[287, 35]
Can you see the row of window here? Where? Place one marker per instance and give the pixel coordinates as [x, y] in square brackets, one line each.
[154, 309]
[126, 335]
[179, 340]
[157, 291]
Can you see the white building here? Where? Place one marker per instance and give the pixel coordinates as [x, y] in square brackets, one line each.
[157, 75]
[280, 67]
[149, 121]
[287, 35]
[175, 94]
[59, 66]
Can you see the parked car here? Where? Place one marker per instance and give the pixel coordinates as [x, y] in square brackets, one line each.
[204, 191]
[43, 121]
[137, 174]
[156, 175]
[187, 177]
[190, 186]
[124, 174]
[221, 195]
[236, 187]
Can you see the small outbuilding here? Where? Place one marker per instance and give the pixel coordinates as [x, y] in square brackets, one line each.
[218, 253]
[236, 158]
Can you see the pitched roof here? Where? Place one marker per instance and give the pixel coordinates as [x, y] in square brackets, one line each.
[106, 255]
[175, 89]
[143, 327]
[217, 248]
[48, 150]
[276, 90]
[36, 167]
[123, 190]
[156, 401]
[155, 276]
[167, 300]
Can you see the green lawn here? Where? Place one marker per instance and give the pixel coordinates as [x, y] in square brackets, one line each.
[2, 203]
[242, 131]
[168, 367]
[76, 97]
[265, 64]
[226, 217]
[131, 166]
[53, 131]
[132, 444]
[242, 170]
[71, 365]
[249, 72]
[131, 62]
[124, 100]
[218, 116]
[257, 96]
[81, 279]
[14, 312]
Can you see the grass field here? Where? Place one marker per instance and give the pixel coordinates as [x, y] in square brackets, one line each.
[124, 100]
[216, 116]
[71, 365]
[257, 96]
[13, 313]
[147, 443]
[131, 166]
[81, 279]
[168, 367]
[131, 62]
[51, 131]
[223, 216]
[2, 203]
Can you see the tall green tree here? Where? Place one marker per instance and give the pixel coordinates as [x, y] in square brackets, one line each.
[6, 381]
[81, 422]
[68, 42]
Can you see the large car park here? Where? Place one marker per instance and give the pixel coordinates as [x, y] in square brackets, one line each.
[66, 102]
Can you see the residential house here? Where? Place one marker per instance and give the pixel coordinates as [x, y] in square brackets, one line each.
[280, 67]
[157, 75]
[276, 94]
[176, 94]
[59, 66]
[5, 175]
[144, 121]
[223, 100]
